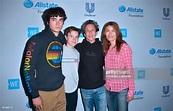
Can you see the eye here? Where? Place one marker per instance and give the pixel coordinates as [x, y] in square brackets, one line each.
[61, 20]
[53, 19]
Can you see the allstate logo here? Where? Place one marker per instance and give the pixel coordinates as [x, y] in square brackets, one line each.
[152, 51]
[122, 8]
[138, 95]
[28, 3]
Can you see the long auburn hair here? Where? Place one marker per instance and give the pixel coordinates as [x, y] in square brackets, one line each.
[119, 40]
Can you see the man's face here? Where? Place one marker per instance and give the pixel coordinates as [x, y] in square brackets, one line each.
[72, 39]
[56, 24]
[90, 33]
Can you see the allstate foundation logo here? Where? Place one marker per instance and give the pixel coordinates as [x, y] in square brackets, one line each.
[166, 13]
[54, 54]
[161, 53]
[138, 95]
[90, 7]
[166, 91]
[39, 6]
[28, 3]
[132, 11]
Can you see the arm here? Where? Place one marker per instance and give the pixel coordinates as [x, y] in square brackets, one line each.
[28, 67]
[128, 64]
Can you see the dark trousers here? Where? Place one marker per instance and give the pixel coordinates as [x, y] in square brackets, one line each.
[71, 101]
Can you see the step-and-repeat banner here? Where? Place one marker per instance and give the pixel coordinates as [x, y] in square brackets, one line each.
[146, 25]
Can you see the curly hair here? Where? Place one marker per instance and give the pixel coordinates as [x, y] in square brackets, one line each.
[53, 12]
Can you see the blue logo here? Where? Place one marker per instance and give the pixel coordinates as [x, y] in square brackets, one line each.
[13, 84]
[138, 94]
[32, 31]
[162, 53]
[157, 109]
[152, 51]
[90, 7]
[166, 12]
[28, 3]
[122, 8]
[124, 32]
[166, 91]
[132, 11]
[157, 33]
[45, 5]
[141, 74]
[171, 71]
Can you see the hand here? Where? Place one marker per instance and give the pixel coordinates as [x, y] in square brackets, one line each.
[37, 103]
[129, 98]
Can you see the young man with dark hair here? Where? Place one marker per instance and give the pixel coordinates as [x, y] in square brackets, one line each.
[70, 63]
[41, 63]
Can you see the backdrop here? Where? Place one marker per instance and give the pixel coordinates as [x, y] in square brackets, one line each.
[146, 25]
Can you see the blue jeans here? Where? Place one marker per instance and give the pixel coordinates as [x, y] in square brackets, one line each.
[94, 98]
[117, 101]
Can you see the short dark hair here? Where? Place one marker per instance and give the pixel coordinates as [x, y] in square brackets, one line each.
[89, 22]
[53, 12]
[71, 28]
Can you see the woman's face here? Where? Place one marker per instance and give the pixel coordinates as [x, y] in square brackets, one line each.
[110, 33]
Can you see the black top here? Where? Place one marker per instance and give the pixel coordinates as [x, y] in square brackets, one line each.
[41, 63]
[91, 64]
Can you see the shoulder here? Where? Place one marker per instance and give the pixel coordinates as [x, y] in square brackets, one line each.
[98, 41]
[34, 38]
[76, 51]
[62, 38]
[126, 48]
[78, 46]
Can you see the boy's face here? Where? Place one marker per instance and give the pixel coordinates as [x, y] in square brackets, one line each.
[72, 39]
[56, 24]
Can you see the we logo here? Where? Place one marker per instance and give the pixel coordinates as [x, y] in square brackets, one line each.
[13, 84]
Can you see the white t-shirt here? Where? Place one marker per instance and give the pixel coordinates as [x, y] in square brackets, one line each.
[70, 62]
